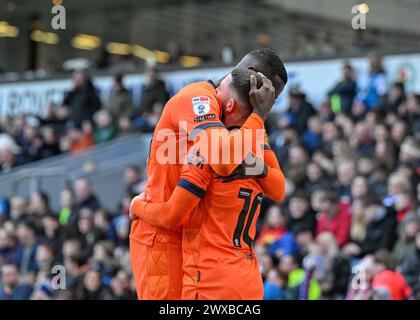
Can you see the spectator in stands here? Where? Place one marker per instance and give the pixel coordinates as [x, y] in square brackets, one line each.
[273, 228]
[50, 146]
[154, 91]
[77, 138]
[30, 140]
[120, 101]
[297, 276]
[324, 45]
[85, 198]
[92, 287]
[26, 249]
[105, 129]
[396, 96]
[300, 216]
[10, 289]
[334, 217]
[132, 178]
[120, 287]
[313, 134]
[387, 279]
[7, 246]
[410, 267]
[380, 229]
[373, 88]
[306, 46]
[343, 93]
[83, 100]
[67, 214]
[406, 242]
[9, 152]
[300, 110]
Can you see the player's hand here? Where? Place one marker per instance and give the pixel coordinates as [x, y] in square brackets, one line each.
[249, 168]
[262, 99]
[140, 197]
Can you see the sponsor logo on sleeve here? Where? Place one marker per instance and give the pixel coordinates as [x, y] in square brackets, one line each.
[210, 116]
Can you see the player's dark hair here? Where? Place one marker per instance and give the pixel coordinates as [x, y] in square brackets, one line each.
[271, 63]
[241, 83]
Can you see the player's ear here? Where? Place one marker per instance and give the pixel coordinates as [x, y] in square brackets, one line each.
[230, 106]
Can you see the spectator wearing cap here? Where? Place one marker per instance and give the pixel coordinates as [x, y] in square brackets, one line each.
[334, 217]
[343, 93]
[10, 288]
[82, 100]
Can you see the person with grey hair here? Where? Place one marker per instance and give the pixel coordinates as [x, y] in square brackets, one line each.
[9, 152]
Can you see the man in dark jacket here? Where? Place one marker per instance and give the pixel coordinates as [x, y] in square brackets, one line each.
[83, 100]
[154, 91]
[381, 230]
[85, 198]
[342, 95]
[10, 289]
[299, 109]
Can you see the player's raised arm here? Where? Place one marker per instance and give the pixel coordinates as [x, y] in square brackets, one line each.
[223, 150]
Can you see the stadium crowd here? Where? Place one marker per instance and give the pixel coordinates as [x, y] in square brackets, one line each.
[349, 227]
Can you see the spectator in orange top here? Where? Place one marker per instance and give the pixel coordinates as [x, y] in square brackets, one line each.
[78, 138]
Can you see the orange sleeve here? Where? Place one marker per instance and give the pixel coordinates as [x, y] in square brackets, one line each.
[185, 198]
[274, 183]
[169, 215]
[223, 150]
[199, 113]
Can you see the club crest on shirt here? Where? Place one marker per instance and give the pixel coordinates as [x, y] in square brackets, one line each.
[201, 105]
